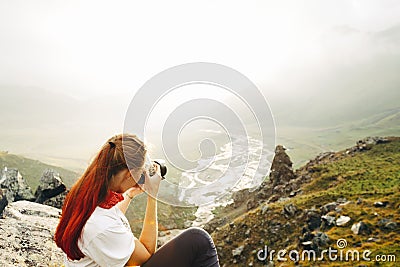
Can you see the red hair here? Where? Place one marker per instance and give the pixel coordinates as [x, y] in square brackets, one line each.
[92, 187]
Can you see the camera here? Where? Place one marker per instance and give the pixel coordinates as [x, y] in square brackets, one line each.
[149, 166]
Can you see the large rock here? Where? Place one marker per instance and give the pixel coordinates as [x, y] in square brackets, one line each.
[281, 168]
[3, 202]
[342, 220]
[361, 228]
[51, 190]
[15, 185]
[27, 232]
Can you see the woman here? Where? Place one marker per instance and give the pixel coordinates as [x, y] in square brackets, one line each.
[93, 230]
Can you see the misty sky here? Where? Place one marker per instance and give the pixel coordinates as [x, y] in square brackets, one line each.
[68, 69]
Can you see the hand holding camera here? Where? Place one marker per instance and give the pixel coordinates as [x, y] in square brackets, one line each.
[151, 167]
[152, 176]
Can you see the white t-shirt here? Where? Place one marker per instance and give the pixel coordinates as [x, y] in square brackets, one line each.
[106, 240]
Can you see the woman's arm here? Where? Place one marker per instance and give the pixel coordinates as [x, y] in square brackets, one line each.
[147, 243]
[150, 226]
[130, 194]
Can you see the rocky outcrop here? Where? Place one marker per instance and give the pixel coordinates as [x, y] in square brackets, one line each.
[3, 202]
[27, 232]
[15, 185]
[281, 168]
[282, 183]
[51, 190]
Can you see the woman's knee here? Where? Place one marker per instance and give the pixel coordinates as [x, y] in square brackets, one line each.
[197, 231]
[200, 236]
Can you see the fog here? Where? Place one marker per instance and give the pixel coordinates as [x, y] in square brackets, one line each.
[68, 70]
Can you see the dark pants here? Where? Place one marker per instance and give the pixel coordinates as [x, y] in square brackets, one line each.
[192, 248]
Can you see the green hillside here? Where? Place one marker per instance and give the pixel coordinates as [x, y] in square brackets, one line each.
[361, 182]
[32, 170]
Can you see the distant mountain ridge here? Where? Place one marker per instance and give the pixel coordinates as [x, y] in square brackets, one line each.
[32, 169]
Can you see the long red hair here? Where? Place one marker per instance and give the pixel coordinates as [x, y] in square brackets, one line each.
[92, 187]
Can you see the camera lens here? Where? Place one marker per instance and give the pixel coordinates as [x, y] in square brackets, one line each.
[141, 180]
[163, 170]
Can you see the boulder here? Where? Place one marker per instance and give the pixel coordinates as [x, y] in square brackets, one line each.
[387, 224]
[237, 251]
[15, 185]
[29, 240]
[3, 202]
[329, 207]
[289, 210]
[342, 220]
[281, 168]
[361, 228]
[381, 204]
[51, 190]
[313, 220]
[328, 221]
[321, 240]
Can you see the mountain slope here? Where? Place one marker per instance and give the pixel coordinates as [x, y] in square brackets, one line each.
[32, 170]
[361, 185]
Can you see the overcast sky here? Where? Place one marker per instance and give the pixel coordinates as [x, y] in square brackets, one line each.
[105, 50]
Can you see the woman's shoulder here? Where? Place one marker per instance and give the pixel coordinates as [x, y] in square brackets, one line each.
[101, 220]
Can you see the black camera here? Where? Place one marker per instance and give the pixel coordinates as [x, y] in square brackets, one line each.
[150, 168]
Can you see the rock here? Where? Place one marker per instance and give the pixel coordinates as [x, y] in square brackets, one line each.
[313, 220]
[328, 220]
[237, 251]
[342, 220]
[372, 239]
[359, 201]
[214, 224]
[321, 240]
[51, 190]
[3, 202]
[390, 226]
[289, 210]
[247, 233]
[273, 198]
[329, 207]
[187, 224]
[264, 209]
[380, 204]
[314, 242]
[372, 140]
[341, 200]
[239, 197]
[29, 241]
[306, 243]
[361, 228]
[383, 222]
[15, 185]
[324, 155]
[251, 204]
[281, 168]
